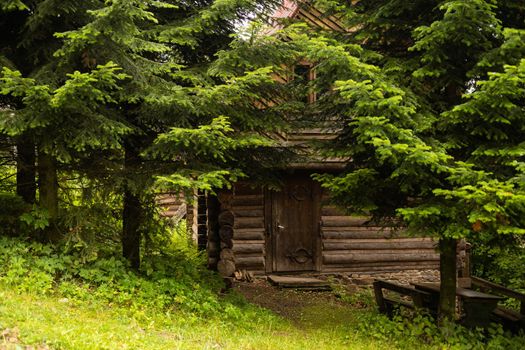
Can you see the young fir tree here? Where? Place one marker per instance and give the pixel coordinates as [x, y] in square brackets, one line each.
[418, 152]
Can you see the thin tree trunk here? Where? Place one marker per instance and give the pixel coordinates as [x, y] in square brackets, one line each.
[25, 170]
[447, 295]
[132, 215]
[48, 193]
[131, 221]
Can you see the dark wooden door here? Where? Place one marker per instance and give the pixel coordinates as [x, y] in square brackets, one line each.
[295, 221]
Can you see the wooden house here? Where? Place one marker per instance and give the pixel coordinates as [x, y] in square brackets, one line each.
[296, 229]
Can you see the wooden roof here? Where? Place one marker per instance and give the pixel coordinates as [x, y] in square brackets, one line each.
[303, 10]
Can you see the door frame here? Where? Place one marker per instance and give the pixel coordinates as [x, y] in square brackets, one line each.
[270, 228]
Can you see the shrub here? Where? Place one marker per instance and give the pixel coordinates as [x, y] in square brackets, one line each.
[11, 208]
[174, 280]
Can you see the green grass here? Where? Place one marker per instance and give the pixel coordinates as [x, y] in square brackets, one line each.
[65, 300]
[66, 325]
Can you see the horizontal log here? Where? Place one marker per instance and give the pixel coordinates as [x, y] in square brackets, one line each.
[248, 222]
[254, 241]
[169, 201]
[248, 200]
[409, 264]
[386, 244]
[244, 248]
[343, 221]
[249, 261]
[249, 211]
[169, 213]
[357, 258]
[363, 228]
[383, 268]
[381, 251]
[249, 234]
[360, 233]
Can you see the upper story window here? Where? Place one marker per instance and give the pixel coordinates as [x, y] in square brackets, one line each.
[306, 73]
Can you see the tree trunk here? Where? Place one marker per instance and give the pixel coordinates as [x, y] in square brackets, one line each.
[25, 170]
[132, 215]
[447, 295]
[48, 193]
[131, 221]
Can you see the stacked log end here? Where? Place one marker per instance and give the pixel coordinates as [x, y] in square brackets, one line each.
[226, 221]
[213, 245]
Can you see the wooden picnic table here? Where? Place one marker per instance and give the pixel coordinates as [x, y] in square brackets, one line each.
[477, 306]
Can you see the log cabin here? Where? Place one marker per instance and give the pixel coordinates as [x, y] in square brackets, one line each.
[295, 229]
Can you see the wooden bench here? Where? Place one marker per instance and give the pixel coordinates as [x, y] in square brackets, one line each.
[477, 306]
[419, 299]
[510, 319]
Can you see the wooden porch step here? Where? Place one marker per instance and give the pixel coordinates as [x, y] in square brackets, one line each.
[304, 283]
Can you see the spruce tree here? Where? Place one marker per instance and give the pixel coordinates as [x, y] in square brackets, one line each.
[433, 137]
[115, 75]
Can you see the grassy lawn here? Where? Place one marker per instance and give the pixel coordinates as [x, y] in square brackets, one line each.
[63, 324]
[50, 300]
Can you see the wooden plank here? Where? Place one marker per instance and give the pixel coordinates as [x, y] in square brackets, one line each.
[297, 282]
[496, 288]
[387, 244]
[329, 21]
[359, 258]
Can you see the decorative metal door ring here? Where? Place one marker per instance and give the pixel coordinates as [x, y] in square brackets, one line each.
[300, 256]
[300, 193]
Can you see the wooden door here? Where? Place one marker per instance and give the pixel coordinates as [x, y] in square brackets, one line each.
[295, 225]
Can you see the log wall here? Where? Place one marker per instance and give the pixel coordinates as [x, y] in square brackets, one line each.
[172, 205]
[249, 228]
[350, 243]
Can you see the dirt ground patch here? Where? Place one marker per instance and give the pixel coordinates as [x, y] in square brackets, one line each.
[288, 303]
[295, 305]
